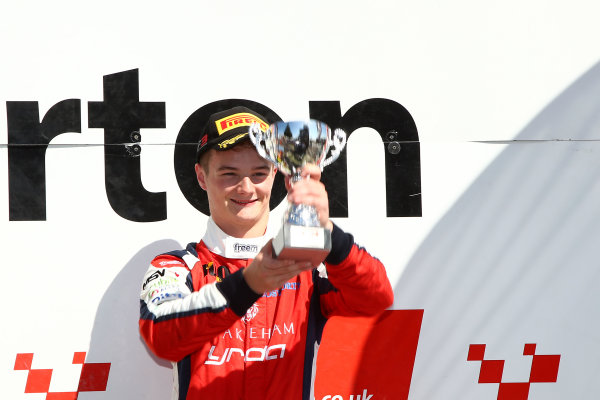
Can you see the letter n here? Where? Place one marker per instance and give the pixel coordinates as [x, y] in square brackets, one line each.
[401, 148]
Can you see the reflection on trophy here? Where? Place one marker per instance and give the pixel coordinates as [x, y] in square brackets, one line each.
[290, 146]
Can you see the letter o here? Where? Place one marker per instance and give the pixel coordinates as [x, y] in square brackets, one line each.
[261, 354]
[187, 143]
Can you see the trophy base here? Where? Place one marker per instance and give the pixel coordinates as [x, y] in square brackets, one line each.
[302, 243]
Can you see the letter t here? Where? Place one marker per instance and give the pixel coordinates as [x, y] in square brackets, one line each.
[121, 114]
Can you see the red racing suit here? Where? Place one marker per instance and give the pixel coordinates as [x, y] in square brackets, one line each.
[228, 342]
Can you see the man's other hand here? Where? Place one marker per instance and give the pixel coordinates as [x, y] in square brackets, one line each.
[311, 191]
[266, 273]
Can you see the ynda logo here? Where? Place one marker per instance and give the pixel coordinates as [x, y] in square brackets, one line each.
[252, 354]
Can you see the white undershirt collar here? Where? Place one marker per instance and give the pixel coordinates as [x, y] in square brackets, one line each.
[228, 246]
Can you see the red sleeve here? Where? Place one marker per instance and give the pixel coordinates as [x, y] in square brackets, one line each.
[354, 282]
[176, 321]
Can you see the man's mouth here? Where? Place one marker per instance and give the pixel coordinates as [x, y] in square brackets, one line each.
[243, 202]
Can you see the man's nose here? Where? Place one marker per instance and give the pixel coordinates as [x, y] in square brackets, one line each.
[245, 184]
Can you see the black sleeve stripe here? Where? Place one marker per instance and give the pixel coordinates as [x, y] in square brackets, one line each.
[237, 292]
[341, 244]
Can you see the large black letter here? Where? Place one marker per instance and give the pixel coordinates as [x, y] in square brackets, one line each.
[398, 131]
[28, 140]
[187, 143]
[122, 115]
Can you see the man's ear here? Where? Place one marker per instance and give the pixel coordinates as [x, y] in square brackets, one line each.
[201, 176]
[288, 185]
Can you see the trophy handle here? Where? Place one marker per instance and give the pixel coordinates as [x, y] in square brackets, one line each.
[336, 143]
[258, 139]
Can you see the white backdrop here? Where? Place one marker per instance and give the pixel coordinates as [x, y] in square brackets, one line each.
[505, 98]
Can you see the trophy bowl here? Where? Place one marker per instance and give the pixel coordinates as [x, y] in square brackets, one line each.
[289, 146]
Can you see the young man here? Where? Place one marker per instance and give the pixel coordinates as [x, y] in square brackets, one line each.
[237, 323]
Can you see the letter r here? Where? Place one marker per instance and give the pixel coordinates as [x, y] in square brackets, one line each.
[28, 139]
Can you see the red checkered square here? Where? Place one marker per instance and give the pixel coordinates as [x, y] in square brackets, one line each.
[62, 396]
[476, 352]
[544, 368]
[79, 357]
[491, 371]
[513, 391]
[94, 377]
[38, 381]
[529, 349]
[23, 361]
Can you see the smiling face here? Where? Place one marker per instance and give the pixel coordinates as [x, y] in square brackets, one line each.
[238, 183]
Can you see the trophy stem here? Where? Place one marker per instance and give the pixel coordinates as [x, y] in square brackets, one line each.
[302, 215]
[296, 177]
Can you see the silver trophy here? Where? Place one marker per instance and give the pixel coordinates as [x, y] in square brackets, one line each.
[290, 146]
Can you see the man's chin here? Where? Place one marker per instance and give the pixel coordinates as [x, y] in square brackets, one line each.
[250, 215]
